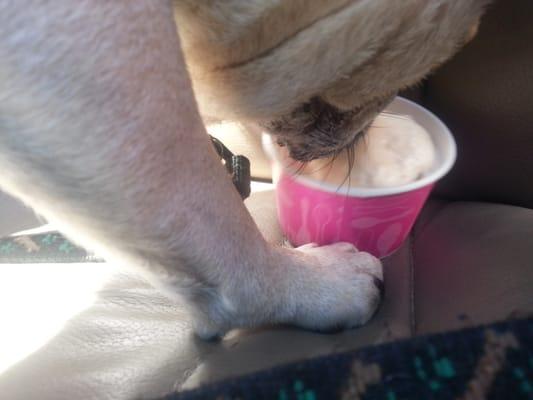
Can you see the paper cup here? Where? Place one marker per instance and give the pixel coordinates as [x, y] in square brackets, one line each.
[376, 220]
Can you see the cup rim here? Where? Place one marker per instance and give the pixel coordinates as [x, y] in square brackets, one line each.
[430, 179]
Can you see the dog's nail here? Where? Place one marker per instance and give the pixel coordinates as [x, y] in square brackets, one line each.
[380, 285]
[210, 337]
[344, 246]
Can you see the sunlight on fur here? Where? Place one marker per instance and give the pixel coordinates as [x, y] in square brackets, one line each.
[37, 300]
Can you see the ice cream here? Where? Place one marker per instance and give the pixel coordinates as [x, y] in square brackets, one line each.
[395, 151]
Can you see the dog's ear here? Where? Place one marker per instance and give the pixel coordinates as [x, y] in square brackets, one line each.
[233, 32]
[260, 59]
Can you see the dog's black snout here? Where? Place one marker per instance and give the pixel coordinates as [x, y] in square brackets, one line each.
[380, 285]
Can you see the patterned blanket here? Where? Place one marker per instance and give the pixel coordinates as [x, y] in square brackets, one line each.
[489, 362]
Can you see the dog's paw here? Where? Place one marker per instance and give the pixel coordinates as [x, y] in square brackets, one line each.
[337, 287]
[321, 288]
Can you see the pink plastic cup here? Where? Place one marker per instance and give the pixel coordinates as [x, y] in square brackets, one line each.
[376, 220]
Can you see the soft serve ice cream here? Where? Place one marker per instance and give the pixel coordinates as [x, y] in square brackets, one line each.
[395, 151]
[396, 164]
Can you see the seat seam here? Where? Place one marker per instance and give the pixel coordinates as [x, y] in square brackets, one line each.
[417, 229]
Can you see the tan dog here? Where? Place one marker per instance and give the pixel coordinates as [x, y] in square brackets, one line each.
[315, 72]
[100, 133]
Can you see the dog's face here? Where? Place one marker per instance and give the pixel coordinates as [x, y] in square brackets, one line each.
[317, 129]
[316, 77]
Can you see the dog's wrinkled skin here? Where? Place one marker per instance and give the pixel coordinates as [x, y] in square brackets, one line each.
[315, 72]
[100, 133]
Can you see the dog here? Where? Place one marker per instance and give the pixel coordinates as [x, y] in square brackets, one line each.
[102, 109]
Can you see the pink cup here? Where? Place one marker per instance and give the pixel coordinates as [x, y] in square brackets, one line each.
[376, 220]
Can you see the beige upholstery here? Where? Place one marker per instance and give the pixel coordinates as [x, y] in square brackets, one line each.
[473, 265]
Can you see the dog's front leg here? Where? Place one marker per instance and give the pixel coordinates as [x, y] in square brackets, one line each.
[101, 135]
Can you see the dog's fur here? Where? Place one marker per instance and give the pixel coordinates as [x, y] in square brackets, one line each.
[100, 133]
[315, 72]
